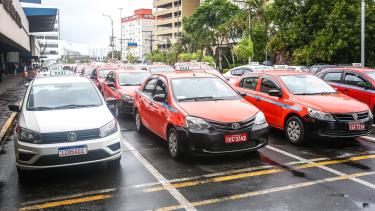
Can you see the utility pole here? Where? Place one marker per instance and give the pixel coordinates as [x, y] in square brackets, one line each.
[363, 22]
[112, 37]
[121, 33]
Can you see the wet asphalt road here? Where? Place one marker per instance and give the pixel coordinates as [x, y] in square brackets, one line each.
[322, 175]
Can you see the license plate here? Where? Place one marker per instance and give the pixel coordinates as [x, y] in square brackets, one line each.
[356, 126]
[71, 151]
[229, 139]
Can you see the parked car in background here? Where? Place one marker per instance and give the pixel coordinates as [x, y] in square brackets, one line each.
[193, 112]
[298, 68]
[56, 128]
[315, 69]
[243, 70]
[197, 67]
[358, 83]
[99, 75]
[304, 105]
[153, 69]
[122, 85]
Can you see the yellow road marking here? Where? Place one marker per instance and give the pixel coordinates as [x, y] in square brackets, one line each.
[66, 202]
[258, 173]
[267, 191]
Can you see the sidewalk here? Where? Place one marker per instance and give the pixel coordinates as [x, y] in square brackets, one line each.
[12, 90]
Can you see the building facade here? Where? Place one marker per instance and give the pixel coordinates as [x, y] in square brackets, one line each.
[168, 18]
[50, 46]
[137, 34]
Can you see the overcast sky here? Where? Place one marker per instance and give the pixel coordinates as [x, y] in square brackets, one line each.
[82, 20]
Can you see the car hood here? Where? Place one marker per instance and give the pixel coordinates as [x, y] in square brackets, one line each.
[221, 110]
[335, 103]
[65, 119]
[129, 90]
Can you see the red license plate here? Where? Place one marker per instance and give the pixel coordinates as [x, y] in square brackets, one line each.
[356, 126]
[229, 139]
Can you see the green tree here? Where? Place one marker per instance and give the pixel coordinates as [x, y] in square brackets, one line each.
[130, 58]
[244, 49]
[117, 55]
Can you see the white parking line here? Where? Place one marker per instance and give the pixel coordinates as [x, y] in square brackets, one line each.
[320, 166]
[167, 185]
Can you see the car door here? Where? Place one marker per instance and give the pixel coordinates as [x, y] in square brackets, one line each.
[158, 110]
[334, 78]
[270, 105]
[145, 100]
[248, 86]
[105, 87]
[356, 87]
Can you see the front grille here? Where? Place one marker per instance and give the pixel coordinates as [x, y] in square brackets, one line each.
[62, 137]
[349, 116]
[50, 160]
[345, 133]
[224, 126]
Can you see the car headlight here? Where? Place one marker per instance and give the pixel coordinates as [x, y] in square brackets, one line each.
[108, 129]
[127, 97]
[260, 118]
[29, 136]
[320, 115]
[196, 123]
[370, 115]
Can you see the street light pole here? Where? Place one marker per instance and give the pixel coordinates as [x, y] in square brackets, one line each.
[363, 22]
[112, 38]
[121, 32]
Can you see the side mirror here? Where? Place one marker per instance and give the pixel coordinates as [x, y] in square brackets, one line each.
[275, 93]
[111, 101]
[27, 85]
[93, 77]
[159, 98]
[14, 108]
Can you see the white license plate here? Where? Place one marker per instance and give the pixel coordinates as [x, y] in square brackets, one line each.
[71, 151]
[356, 126]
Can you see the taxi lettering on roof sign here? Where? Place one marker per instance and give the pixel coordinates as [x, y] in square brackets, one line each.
[303, 105]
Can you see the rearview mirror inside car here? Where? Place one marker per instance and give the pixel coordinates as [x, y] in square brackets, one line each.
[159, 98]
[275, 93]
[14, 108]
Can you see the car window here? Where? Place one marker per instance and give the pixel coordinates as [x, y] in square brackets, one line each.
[246, 71]
[160, 89]
[237, 72]
[149, 87]
[355, 80]
[250, 82]
[109, 77]
[333, 77]
[268, 85]
[314, 70]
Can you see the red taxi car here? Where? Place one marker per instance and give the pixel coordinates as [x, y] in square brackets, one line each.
[358, 83]
[122, 84]
[194, 113]
[302, 104]
[99, 75]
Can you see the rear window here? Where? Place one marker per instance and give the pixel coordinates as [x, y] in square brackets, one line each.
[333, 77]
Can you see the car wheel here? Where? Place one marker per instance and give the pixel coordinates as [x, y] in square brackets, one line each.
[138, 122]
[174, 144]
[294, 130]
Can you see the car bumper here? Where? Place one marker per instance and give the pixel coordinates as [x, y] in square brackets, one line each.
[41, 156]
[337, 129]
[211, 142]
[127, 106]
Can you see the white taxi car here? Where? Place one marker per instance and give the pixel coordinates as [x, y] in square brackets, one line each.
[64, 121]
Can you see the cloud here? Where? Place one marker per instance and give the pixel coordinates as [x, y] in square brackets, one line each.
[83, 20]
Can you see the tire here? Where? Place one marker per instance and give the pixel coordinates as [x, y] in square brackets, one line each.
[174, 144]
[294, 130]
[138, 122]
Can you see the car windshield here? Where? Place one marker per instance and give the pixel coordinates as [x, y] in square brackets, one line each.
[161, 69]
[371, 74]
[196, 89]
[132, 78]
[63, 96]
[103, 73]
[306, 85]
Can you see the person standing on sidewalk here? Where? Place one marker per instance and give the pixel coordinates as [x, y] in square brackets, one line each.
[15, 69]
[25, 74]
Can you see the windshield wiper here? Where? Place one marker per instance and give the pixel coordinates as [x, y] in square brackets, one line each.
[41, 108]
[197, 98]
[74, 106]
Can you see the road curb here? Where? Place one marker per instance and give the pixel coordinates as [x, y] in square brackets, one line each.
[7, 127]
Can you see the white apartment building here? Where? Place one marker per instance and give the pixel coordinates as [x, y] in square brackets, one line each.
[137, 34]
[50, 46]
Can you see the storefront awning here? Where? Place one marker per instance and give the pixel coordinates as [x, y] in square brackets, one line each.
[41, 19]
